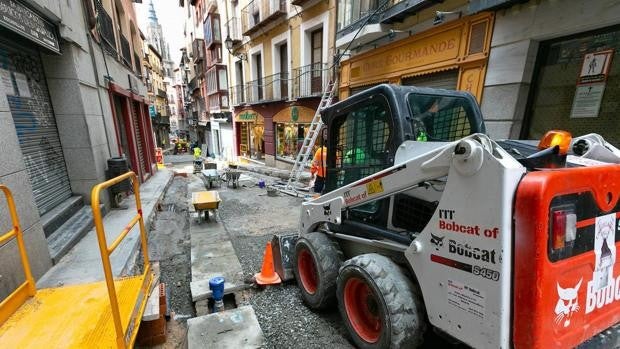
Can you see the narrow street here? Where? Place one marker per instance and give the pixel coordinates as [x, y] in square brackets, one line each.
[251, 218]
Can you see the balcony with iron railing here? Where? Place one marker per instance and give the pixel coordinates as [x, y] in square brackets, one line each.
[237, 95]
[305, 82]
[270, 88]
[259, 13]
[106, 28]
[309, 80]
[125, 51]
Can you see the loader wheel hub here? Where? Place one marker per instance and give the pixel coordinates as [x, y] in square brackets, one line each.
[307, 271]
[362, 310]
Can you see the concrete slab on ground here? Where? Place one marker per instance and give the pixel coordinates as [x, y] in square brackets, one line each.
[235, 328]
[213, 255]
[83, 262]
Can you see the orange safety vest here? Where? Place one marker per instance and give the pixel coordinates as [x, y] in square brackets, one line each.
[318, 162]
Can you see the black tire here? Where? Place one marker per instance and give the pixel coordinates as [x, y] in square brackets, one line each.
[320, 259]
[386, 306]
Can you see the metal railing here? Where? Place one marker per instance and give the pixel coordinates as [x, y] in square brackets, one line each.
[125, 51]
[237, 94]
[106, 27]
[306, 81]
[123, 340]
[28, 288]
[259, 11]
[234, 29]
[270, 88]
[309, 79]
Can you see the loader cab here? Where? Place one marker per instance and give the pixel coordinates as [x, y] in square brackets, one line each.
[366, 129]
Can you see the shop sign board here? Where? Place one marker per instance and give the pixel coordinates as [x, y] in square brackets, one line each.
[27, 23]
[246, 116]
[431, 49]
[152, 111]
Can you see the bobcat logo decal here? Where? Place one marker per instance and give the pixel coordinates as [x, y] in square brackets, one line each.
[437, 241]
[327, 209]
[567, 303]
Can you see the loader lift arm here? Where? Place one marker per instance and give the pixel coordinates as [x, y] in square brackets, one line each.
[466, 155]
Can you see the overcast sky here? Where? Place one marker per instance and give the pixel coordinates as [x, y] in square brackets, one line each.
[170, 16]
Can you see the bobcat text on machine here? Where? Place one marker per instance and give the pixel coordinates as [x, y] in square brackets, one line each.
[428, 223]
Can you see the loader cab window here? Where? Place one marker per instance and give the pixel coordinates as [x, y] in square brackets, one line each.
[360, 143]
[440, 118]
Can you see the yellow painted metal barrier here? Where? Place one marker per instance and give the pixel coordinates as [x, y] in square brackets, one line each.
[78, 316]
[123, 338]
[27, 289]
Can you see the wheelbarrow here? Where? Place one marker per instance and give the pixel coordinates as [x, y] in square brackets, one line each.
[206, 201]
[232, 176]
[211, 176]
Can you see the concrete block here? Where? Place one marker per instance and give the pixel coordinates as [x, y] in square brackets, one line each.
[504, 102]
[80, 164]
[212, 254]
[101, 154]
[85, 70]
[507, 64]
[73, 131]
[61, 66]
[11, 270]
[83, 187]
[236, 328]
[65, 96]
[499, 129]
[11, 155]
[90, 100]
[96, 130]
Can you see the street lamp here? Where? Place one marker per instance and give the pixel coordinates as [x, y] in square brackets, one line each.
[229, 46]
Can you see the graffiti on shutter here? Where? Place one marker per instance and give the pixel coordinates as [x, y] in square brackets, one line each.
[29, 101]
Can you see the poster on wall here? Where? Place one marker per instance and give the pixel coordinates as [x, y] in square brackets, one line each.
[587, 101]
[604, 250]
[595, 67]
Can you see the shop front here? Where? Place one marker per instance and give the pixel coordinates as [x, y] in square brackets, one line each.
[291, 128]
[453, 56]
[250, 126]
[133, 129]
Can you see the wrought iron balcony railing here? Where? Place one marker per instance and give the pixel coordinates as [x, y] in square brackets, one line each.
[308, 80]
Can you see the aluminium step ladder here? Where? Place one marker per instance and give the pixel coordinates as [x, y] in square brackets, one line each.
[305, 152]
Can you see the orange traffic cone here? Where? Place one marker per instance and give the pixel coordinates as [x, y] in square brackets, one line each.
[267, 275]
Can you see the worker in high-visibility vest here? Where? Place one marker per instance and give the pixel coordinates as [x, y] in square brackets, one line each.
[197, 153]
[318, 169]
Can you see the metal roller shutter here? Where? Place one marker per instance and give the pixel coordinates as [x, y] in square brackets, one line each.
[447, 80]
[139, 137]
[35, 124]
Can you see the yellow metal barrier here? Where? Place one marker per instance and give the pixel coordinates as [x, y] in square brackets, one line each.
[27, 289]
[123, 339]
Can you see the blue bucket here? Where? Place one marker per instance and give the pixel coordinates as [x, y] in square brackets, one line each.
[261, 183]
[216, 285]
